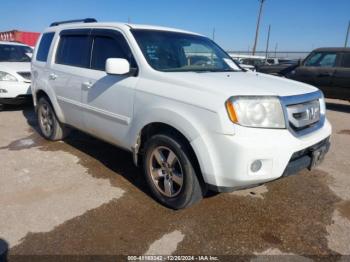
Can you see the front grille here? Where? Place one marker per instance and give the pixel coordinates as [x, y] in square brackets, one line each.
[304, 115]
[25, 75]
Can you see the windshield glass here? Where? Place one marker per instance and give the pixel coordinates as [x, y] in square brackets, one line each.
[15, 53]
[180, 52]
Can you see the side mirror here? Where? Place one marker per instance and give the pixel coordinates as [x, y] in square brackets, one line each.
[117, 66]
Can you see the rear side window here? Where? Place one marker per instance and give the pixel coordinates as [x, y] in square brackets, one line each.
[44, 47]
[74, 50]
[346, 60]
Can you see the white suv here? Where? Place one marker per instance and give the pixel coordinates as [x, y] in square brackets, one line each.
[190, 116]
[14, 72]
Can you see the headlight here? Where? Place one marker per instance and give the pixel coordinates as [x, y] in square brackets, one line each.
[255, 111]
[7, 77]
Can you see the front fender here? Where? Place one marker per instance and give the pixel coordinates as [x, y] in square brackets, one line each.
[188, 124]
[189, 128]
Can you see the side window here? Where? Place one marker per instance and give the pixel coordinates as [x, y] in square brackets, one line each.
[313, 59]
[346, 60]
[328, 60]
[74, 50]
[44, 47]
[110, 47]
[322, 60]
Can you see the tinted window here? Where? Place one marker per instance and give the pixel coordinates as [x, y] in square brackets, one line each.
[44, 47]
[322, 60]
[74, 50]
[346, 60]
[328, 60]
[107, 47]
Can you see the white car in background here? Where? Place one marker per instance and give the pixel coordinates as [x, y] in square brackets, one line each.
[15, 76]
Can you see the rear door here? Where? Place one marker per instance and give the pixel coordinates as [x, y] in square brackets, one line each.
[69, 72]
[341, 78]
[108, 101]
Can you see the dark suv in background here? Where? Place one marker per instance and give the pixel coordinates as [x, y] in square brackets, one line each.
[326, 68]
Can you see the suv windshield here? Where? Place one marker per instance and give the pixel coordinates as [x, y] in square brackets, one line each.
[15, 53]
[180, 52]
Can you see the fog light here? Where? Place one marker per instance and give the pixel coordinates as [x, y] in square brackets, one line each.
[3, 90]
[256, 166]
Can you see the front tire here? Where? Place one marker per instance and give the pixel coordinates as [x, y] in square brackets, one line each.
[169, 172]
[49, 124]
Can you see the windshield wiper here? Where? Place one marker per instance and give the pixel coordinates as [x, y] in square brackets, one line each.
[216, 70]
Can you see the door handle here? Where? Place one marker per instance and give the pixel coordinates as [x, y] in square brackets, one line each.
[86, 85]
[52, 76]
[324, 75]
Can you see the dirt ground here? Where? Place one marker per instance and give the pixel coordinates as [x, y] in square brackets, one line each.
[85, 197]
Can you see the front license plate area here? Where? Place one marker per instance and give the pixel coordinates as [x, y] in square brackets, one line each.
[317, 156]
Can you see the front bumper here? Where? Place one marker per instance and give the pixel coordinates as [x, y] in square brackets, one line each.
[225, 160]
[10, 90]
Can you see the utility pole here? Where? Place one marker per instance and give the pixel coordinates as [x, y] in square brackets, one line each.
[213, 37]
[258, 26]
[276, 46]
[267, 43]
[129, 20]
[347, 35]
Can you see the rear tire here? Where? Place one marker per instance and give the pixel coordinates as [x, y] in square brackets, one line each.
[170, 173]
[49, 124]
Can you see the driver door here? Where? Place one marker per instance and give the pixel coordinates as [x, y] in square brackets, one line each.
[108, 99]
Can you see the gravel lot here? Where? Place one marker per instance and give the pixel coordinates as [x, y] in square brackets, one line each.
[83, 196]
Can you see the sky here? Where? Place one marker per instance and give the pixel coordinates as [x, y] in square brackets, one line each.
[296, 25]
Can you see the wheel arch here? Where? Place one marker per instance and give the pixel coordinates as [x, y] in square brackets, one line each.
[155, 128]
[51, 97]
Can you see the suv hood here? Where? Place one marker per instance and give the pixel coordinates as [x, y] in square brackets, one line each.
[239, 83]
[15, 66]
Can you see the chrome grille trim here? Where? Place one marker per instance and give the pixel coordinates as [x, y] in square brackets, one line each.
[300, 101]
[305, 114]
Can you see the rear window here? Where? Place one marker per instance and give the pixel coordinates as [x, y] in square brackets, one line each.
[44, 47]
[74, 50]
[346, 60]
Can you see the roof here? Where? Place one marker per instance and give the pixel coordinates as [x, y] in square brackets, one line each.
[124, 26]
[333, 49]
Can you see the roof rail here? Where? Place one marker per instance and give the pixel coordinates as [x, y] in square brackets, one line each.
[86, 20]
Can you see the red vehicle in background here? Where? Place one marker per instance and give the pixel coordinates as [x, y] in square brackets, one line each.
[28, 38]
